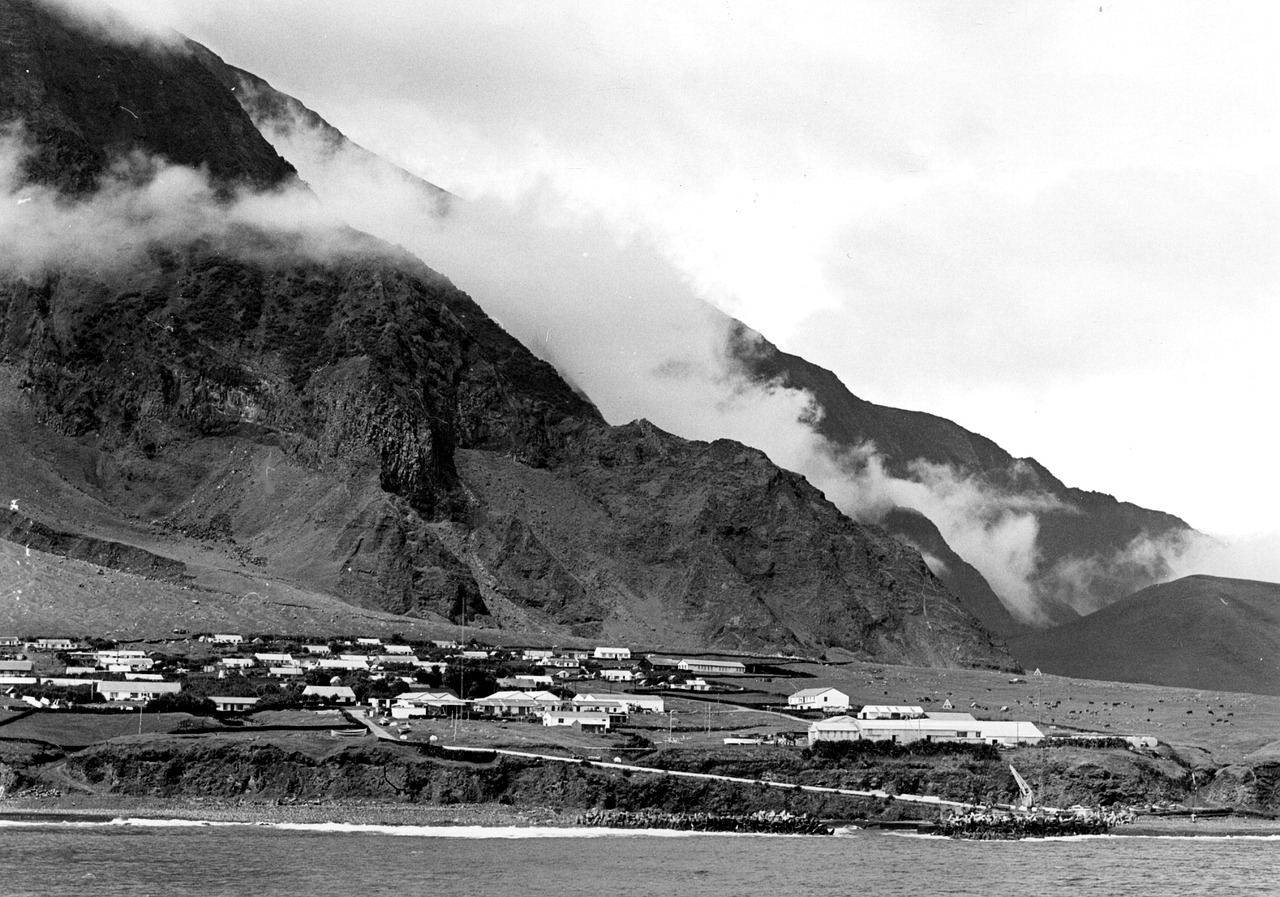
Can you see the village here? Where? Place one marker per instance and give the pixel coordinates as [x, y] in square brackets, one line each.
[589, 690]
[901, 743]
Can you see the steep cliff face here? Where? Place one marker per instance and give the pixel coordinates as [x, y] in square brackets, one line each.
[713, 544]
[963, 581]
[338, 415]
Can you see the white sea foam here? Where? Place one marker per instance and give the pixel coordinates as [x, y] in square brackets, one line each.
[467, 832]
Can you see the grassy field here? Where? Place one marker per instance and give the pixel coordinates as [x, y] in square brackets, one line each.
[82, 729]
[1226, 726]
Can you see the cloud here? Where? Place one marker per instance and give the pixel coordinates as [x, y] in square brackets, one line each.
[130, 28]
[143, 202]
[1087, 584]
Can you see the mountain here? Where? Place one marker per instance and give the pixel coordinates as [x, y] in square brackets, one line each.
[1202, 632]
[1084, 541]
[302, 404]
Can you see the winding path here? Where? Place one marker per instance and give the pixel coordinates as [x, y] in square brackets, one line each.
[928, 799]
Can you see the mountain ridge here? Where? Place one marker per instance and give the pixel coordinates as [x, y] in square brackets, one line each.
[1075, 527]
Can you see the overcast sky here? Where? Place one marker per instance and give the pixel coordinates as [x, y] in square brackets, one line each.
[1057, 224]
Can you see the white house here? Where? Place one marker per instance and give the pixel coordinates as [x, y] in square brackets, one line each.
[828, 700]
[232, 704]
[226, 638]
[317, 649]
[603, 653]
[588, 721]
[617, 711]
[518, 703]
[561, 662]
[52, 644]
[336, 694]
[617, 675]
[422, 703]
[369, 641]
[136, 690]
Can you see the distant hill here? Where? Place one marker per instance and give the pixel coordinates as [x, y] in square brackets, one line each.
[1196, 632]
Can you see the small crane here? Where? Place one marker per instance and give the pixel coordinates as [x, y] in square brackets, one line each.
[1028, 796]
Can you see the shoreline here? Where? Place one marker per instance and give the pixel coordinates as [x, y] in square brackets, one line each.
[354, 813]
[488, 816]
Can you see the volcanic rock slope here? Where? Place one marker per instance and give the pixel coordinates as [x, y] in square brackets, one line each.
[337, 415]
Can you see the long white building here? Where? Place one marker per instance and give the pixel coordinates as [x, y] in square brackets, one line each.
[960, 728]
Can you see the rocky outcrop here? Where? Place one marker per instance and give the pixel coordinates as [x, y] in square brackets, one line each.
[16, 527]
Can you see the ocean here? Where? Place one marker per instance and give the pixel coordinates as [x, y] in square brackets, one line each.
[168, 859]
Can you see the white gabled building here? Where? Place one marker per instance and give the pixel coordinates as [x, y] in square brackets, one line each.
[603, 653]
[827, 700]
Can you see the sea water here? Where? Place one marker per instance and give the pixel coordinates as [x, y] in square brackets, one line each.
[146, 857]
